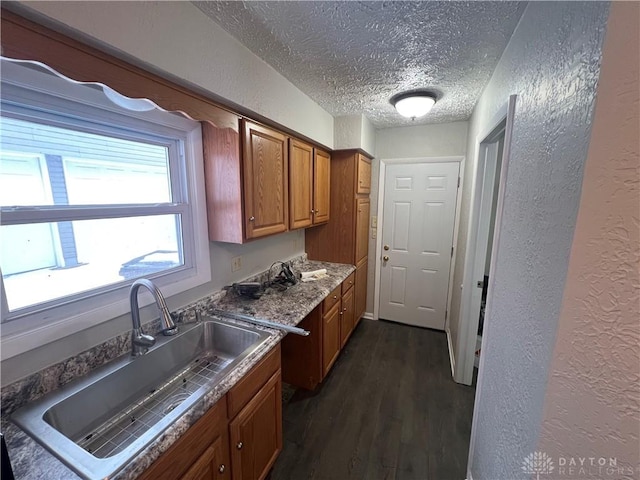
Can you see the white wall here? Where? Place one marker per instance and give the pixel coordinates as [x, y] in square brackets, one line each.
[552, 64]
[177, 38]
[354, 131]
[440, 140]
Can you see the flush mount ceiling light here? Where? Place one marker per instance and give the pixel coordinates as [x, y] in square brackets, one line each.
[413, 104]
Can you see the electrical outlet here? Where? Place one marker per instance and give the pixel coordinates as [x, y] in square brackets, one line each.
[236, 264]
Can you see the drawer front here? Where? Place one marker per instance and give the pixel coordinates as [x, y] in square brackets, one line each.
[348, 282]
[332, 298]
[245, 389]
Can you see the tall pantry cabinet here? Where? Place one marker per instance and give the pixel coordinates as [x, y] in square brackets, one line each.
[345, 239]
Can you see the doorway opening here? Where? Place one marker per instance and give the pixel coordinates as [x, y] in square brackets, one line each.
[483, 240]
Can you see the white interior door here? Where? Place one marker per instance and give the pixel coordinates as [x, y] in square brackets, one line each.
[417, 236]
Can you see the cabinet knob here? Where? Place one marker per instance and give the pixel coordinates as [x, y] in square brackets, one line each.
[335, 297]
[222, 468]
[313, 211]
[344, 309]
[251, 219]
[239, 445]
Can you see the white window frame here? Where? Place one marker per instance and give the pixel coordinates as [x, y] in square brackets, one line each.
[35, 92]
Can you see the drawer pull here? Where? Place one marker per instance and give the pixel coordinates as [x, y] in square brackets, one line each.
[239, 445]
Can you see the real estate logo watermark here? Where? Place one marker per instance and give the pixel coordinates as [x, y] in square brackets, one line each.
[537, 463]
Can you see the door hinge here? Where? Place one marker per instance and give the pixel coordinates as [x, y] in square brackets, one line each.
[458, 182]
[452, 251]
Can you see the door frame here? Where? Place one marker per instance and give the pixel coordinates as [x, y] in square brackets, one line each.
[380, 221]
[468, 320]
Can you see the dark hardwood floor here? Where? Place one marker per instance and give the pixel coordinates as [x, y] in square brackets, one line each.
[389, 409]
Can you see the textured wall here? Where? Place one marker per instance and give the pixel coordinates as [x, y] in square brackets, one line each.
[441, 140]
[178, 38]
[592, 405]
[552, 64]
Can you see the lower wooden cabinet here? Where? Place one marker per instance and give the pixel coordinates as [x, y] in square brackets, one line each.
[360, 290]
[256, 433]
[211, 464]
[330, 337]
[244, 448]
[201, 453]
[346, 317]
[306, 361]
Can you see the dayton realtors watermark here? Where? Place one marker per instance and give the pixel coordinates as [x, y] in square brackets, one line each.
[540, 464]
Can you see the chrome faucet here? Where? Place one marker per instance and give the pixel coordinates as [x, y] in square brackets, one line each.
[140, 342]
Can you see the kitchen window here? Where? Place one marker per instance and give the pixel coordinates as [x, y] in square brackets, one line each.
[95, 190]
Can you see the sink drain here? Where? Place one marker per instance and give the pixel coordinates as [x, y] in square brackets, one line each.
[174, 401]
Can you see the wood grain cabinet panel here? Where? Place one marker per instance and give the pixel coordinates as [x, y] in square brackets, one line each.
[321, 187]
[363, 209]
[360, 291]
[309, 185]
[302, 356]
[211, 465]
[330, 337]
[256, 433]
[363, 176]
[203, 450]
[347, 317]
[265, 170]
[301, 160]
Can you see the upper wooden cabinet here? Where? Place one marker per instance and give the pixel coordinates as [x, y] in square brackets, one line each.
[321, 186]
[345, 238]
[363, 176]
[309, 185]
[265, 175]
[300, 184]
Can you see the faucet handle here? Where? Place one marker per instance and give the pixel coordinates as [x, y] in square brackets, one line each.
[140, 342]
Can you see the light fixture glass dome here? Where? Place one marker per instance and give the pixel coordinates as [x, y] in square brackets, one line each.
[414, 105]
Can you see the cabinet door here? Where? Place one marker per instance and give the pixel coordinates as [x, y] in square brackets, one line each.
[363, 183]
[300, 184]
[346, 320]
[362, 229]
[265, 171]
[211, 464]
[330, 337]
[256, 433]
[361, 291]
[321, 186]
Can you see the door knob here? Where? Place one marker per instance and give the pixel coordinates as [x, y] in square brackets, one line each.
[386, 247]
[385, 258]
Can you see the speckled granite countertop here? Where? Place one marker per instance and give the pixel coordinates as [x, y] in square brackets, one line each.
[31, 461]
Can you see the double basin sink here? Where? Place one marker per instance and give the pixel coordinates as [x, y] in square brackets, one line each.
[99, 423]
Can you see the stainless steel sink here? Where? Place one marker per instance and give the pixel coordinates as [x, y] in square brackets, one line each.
[98, 423]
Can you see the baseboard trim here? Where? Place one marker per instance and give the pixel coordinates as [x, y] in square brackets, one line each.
[367, 315]
[452, 359]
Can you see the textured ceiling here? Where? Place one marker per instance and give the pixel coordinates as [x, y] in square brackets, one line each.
[351, 57]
